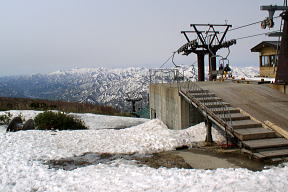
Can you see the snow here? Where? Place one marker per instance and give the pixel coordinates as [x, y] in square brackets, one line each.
[23, 155]
[245, 72]
[108, 122]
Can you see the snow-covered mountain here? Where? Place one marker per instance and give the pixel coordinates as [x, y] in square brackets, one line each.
[246, 72]
[94, 85]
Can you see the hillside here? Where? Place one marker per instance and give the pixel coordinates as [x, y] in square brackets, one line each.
[89, 85]
[37, 104]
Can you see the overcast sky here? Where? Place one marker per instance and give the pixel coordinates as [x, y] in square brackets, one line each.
[41, 36]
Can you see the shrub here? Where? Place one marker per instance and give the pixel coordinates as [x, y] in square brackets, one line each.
[5, 119]
[57, 120]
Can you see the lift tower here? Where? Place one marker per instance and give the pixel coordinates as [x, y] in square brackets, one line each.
[282, 68]
[208, 41]
[133, 103]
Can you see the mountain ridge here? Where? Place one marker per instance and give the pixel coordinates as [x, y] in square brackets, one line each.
[89, 85]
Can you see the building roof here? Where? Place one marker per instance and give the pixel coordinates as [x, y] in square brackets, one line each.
[273, 44]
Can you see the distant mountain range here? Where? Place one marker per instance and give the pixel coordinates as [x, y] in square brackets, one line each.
[90, 85]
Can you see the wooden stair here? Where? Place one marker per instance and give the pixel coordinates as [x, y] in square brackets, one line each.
[274, 154]
[244, 124]
[234, 117]
[266, 143]
[261, 142]
[230, 109]
[254, 133]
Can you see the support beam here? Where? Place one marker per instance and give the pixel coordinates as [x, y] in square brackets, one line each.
[282, 69]
[208, 131]
[272, 9]
[201, 66]
[212, 66]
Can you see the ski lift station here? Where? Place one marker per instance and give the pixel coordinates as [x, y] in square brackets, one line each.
[268, 57]
[251, 114]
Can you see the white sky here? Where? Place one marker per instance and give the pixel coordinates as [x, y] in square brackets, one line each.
[40, 36]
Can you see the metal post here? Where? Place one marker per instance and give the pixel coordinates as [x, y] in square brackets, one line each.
[208, 131]
[212, 66]
[201, 66]
[133, 107]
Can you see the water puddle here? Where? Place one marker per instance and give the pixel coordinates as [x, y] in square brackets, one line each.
[156, 160]
[197, 158]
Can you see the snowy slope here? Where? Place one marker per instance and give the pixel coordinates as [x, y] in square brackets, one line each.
[247, 72]
[23, 155]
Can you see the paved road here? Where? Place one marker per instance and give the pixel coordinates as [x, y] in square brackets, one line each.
[260, 101]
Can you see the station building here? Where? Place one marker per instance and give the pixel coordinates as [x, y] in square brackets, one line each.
[268, 57]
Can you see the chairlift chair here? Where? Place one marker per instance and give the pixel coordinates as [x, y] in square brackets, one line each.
[226, 70]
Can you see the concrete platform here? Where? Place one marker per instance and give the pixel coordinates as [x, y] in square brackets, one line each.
[260, 101]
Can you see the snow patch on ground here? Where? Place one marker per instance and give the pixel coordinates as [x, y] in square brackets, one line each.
[23, 153]
[93, 121]
[149, 137]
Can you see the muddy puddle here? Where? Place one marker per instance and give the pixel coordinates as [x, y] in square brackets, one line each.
[195, 158]
[156, 160]
[212, 158]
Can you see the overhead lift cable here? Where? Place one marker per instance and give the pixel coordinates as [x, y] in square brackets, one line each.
[249, 36]
[247, 25]
[173, 60]
[167, 60]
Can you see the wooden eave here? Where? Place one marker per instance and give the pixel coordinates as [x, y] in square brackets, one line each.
[264, 44]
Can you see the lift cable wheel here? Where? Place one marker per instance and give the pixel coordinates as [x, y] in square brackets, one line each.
[268, 21]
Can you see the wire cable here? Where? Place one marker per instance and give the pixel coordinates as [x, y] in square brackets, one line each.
[247, 25]
[167, 60]
[173, 60]
[249, 36]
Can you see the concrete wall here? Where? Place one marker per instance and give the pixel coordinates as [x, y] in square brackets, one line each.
[167, 105]
[164, 99]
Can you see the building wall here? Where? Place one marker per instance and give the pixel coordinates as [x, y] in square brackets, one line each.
[268, 51]
[164, 100]
[267, 71]
[167, 105]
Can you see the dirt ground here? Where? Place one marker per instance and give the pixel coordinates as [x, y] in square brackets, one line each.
[198, 157]
[164, 159]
